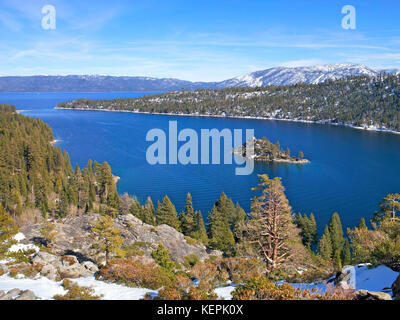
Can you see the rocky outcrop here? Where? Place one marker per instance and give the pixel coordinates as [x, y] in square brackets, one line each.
[59, 267]
[396, 289]
[16, 294]
[74, 237]
[372, 295]
[344, 277]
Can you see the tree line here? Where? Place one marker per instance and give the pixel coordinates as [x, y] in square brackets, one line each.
[35, 175]
[359, 101]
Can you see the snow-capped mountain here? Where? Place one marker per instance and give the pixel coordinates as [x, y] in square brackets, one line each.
[287, 76]
[106, 83]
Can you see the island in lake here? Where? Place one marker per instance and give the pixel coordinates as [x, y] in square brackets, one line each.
[264, 150]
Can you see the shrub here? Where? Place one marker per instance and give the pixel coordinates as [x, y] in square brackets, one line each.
[136, 274]
[239, 269]
[70, 260]
[202, 293]
[191, 260]
[204, 272]
[136, 249]
[265, 289]
[21, 255]
[22, 268]
[76, 292]
[184, 289]
[191, 241]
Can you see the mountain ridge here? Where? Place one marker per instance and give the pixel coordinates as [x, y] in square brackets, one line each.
[106, 83]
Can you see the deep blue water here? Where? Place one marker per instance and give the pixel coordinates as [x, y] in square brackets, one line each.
[350, 171]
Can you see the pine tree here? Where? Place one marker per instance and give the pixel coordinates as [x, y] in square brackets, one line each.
[166, 214]
[161, 256]
[47, 233]
[219, 230]
[308, 227]
[325, 248]
[199, 232]
[389, 207]
[362, 225]
[149, 212]
[187, 217]
[337, 261]
[8, 228]
[346, 253]
[62, 206]
[270, 230]
[107, 236]
[136, 209]
[336, 233]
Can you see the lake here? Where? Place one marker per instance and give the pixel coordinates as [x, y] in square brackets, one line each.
[350, 171]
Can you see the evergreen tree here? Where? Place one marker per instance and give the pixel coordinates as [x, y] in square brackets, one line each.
[362, 224]
[62, 206]
[219, 230]
[187, 217]
[270, 232]
[389, 207]
[8, 228]
[337, 261]
[336, 233]
[47, 233]
[137, 210]
[149, 212]
[166, 214]
[107, 236]
[325, 248]
[199, 232]
[161, 256]
[308, 227]
[346, 253]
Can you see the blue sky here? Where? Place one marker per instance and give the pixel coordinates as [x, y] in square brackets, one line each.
[193, 40]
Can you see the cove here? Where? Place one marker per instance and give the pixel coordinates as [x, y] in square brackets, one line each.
[350, 171]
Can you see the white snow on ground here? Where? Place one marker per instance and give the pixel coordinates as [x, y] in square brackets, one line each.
[23, 247]
[112, 291]
[46, 289]
[19, 236]
[374, 279]
[225, 292]
[41, 287]
[20, 246]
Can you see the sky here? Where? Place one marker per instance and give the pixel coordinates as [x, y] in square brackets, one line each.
[193, 40]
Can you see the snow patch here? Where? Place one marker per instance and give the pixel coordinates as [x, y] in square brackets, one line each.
[19, 236]
[23, 247]
[47, 289]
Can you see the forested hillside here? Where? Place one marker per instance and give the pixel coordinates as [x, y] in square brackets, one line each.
[35, 175]
[89, 220]
[359, 101]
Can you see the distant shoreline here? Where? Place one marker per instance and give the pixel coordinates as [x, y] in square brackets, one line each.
[373, 129]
